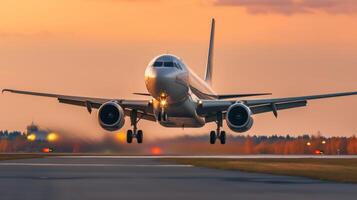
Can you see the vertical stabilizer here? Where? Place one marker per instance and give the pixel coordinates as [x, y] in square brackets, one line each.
[209, 67]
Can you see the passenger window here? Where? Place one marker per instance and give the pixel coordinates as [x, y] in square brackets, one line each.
[168, 64]
[157, 64]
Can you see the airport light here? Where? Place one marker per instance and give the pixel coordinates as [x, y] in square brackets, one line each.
[31, 137]
[51, 137]
[121, 137]
[156, 151]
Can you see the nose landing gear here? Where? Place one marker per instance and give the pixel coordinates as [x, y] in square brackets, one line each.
[134, 133]
[218, 134]
[162, 116]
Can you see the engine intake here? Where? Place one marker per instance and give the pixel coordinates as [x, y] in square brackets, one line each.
[239, 118]
[111, 116]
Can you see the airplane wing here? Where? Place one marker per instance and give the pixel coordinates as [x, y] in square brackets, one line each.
[142, 106]
[208, 108]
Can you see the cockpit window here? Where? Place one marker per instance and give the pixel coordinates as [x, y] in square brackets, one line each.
[178, 66]
[168, 64]
[158, 64]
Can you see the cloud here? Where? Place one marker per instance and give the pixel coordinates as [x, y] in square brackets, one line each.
[289, 7]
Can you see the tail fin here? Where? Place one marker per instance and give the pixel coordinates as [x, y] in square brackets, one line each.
[208, 75]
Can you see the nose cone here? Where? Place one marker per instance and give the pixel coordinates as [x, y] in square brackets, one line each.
[168, 81]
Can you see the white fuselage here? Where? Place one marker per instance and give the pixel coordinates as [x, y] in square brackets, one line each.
[168, 79]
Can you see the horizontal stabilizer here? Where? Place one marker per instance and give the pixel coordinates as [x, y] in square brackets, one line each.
[142, 94]
[229, 96]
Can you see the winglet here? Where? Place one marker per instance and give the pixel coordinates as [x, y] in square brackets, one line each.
[209, 67]
[5, 90]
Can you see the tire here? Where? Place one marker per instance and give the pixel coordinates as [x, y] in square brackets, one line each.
[129, 136]
[159, 117]
[140, 136]
[222, 137]
[164, 117]
[212, 137]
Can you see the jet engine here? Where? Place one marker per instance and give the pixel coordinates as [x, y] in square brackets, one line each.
[239, 118]
[111, 116]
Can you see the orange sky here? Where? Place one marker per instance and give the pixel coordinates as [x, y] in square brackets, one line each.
[97, 47]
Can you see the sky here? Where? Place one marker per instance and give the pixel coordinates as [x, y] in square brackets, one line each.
[101, 48]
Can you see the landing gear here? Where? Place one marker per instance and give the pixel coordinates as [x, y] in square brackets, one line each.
[218, 134]
[140, 136]
[129, 136]
[135, 133]
[212, 137]
[162, 116]
[221, 136]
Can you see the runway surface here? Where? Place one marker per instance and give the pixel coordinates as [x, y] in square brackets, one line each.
[148, 178]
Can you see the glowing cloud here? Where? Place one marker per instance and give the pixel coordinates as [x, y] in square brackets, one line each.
[289, 7]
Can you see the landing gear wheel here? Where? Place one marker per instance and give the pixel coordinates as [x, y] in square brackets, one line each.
[222, 137]
[159, 117]
[140, 136]
[129, 136]
[212, 137]
[162, 116]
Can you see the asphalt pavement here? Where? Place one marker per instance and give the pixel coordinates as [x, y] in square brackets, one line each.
[149, 178]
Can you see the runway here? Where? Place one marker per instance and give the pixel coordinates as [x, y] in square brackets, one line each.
[119, 177]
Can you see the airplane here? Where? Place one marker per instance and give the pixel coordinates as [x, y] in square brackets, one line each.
[180, 98]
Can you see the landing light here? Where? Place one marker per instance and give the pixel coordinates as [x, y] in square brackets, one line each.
[163, 102]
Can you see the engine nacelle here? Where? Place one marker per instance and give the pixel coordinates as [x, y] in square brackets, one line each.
[238, 118]
[111, 116]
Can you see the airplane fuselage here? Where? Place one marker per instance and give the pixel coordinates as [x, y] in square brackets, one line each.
[170, 82]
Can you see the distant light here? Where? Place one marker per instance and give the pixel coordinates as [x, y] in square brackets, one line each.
[47, 150]
[308, 143]
[156, 151]
[51, 137]
[31, 137]
[121, 137]
[317, 152]
[323, 142]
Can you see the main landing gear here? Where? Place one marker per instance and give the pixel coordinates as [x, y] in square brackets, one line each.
[134, 133]
[218, 134]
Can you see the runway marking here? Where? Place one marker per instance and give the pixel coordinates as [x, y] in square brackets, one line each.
[90, 165]
[218, 156]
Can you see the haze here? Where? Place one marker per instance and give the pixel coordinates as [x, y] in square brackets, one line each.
[100, 48]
